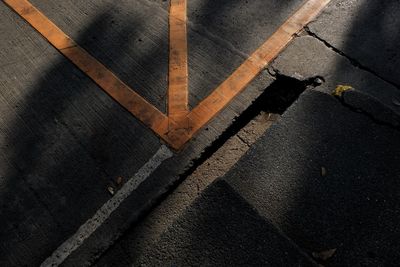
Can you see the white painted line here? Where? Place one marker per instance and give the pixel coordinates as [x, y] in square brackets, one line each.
[75, 241]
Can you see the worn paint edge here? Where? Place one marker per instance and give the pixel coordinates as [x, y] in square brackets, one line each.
[214, 103]
[178, 128]
[138, 106]
[178, 81]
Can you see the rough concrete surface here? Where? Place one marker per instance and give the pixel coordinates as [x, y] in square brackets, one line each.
[352, 43]
[366, 31]
[147, 232]
[326, 174]
[328, 177]
[220, 229]
[308, 57]
[64, 142]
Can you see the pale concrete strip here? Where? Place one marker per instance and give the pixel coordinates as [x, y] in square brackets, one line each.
[148, 232]
[63, 251]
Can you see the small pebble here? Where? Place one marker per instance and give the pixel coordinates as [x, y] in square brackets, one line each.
[111, 190]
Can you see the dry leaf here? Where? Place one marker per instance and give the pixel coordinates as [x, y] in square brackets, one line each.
[324, 255]
[340, 89]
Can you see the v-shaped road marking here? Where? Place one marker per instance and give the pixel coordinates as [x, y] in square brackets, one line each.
[181, 124]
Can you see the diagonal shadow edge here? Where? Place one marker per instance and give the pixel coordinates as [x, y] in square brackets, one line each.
[112, 85]
[180, 125]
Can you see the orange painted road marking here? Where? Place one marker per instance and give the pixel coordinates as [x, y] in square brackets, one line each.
[240, 78]
[117, 89]
[178, 62]
[181, 124]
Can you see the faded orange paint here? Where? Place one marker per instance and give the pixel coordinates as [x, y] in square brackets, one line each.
[125, 96]
[178, 61]
[259, 60]
[181, 124]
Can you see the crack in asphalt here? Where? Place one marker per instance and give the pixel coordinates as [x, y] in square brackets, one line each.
[353, 61]
[370, 115]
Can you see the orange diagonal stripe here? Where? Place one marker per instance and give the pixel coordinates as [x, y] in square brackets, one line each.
[117, 89]
[237, 82]
[178, 62]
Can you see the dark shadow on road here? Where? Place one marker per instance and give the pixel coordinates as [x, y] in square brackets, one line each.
[373, 38]
[355, 208]
[234, 29]
[69, 141]
[329, 177]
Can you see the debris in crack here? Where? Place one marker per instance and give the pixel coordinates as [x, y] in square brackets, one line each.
[340, 89]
